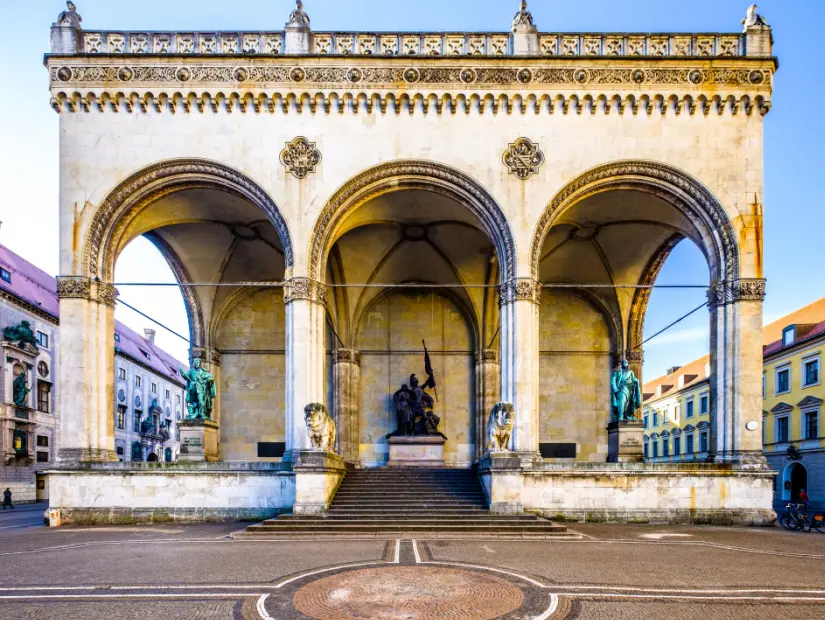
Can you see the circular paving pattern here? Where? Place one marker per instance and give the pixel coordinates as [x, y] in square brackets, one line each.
[408, 593]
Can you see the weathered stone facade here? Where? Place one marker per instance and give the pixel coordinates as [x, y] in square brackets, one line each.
[400, 186]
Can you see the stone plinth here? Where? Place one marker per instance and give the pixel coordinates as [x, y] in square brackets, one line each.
[198, 440]
[625, 442]
[417, 451]
[317, 477]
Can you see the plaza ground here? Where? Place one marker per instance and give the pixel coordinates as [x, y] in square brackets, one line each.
[609, 571]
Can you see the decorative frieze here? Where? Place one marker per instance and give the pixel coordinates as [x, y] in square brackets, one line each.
[743, 289]
[306, 289]
[79, 287]
[300, 157]
[523, 158]
[519, 289]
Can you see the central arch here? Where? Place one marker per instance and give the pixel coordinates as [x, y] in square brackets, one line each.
[412, 175]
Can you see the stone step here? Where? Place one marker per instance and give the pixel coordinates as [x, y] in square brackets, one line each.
[410, 506]
[393, 512]
[412, 494]
[407, 526]
[412, 517]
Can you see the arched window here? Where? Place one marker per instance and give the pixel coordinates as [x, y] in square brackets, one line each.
[137, 451]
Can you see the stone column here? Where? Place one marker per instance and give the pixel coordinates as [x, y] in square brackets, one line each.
[86, 370]
[519, 316]
[736, 372]
[347, 406]
[305, 357]
[488, 389]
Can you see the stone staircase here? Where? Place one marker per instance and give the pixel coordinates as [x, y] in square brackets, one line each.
[393, 502]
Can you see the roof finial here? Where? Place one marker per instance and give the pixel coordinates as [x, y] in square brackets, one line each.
[753, 18]
[298, 17]
[69, 17]
[523, 19]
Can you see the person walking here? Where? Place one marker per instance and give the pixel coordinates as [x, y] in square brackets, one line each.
[7, 499]
[803, 499]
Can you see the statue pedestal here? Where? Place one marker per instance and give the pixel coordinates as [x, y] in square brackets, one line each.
[625, 442]
[416, 451]
[198, 440]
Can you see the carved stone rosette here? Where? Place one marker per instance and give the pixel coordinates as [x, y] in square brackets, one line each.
[300, 157]
[210, 356]
[486, 355]
[519, 289]
[347, 356]
[79, 287]
[304, 288]
[743, 289]
[523, 158]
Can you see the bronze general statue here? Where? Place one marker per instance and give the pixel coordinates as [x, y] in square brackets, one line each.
[414, 407]
[20, 390]
[626, 394]
[200, 391]
[21, 335]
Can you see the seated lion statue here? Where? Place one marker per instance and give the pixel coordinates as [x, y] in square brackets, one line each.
[320, 428]
[500, 427]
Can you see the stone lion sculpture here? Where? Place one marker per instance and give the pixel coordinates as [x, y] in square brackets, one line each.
[320, 428]
[500, 426]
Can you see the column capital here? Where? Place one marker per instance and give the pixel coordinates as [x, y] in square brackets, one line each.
[741, 289]
[304, 288]
[80, 287]
[346, 356]
[519, 289]
[636, 355]
[210, 356]
[487, 355]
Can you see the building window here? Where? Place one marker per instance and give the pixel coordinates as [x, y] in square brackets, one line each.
[42, 339]
[810, 372]
[689, 408]
[154, 388]
[136, 422]
[44, 390]
[138, 381]
[646, 420]
[42, 441]
[145, 354]
[677, 446]
[5, 275]
[168, 395]
[43, 369]
[665, 419]
[121, 373]
[655, 418]
[764, 386]
[655, 449]
[646, 450]
[137, 452]
[665, 448]
[783, 380]
[119, 451]
[788, 336]
[42, 457]
[811, 424]
[703, 404]
[703, 442]
[177, 398]
[782, 429]
[121, 417]
[689, 444]
[117, 337]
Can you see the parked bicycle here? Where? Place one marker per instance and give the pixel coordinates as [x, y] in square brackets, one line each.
[795, 517]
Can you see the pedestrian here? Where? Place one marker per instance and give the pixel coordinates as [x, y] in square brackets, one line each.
[7, 499]
[803, 499]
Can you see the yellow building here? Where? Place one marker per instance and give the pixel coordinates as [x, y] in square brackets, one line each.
[677, 410]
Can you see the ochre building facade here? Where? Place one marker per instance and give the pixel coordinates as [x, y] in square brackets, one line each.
[328, 200]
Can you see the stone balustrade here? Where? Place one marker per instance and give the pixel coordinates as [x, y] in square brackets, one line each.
[416, 44]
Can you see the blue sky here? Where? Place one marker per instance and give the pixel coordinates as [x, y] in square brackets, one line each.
[794, 130]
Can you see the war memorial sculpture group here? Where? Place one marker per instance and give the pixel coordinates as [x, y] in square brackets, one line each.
[326, 172]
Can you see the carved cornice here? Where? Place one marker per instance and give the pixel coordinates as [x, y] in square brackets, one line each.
[78, 287]
[743, 289]
[210, 356]
[306, 289]
[519, 289]
[349, 356]
[487, 356]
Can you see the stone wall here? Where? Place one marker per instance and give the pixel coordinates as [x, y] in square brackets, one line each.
[575, 366]
[253, 369]
[390, 344]
[173, 492]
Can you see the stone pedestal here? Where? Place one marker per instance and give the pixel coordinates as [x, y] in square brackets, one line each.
[198, 440]
[317, 477]
[417, 451]
[625, 442]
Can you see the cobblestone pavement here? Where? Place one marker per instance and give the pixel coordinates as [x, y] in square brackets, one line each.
[172, 572]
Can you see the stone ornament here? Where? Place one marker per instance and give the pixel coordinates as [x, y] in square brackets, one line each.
[742, 289]
[523, 158]
[209, 356]
[522, 289]
[500, 427]
[486, 355]
[305, 289]
[70, 16]
[320, 428]
[300, 157]
[752, 19]
[78, 287]
[298, 18]
[348, 356]
[21, 335]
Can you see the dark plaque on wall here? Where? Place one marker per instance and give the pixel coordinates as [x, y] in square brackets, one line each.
[557, 450]
[271, 449]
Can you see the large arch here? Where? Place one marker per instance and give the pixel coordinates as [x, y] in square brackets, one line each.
[128, 198]
[411, 175]
[717, 236]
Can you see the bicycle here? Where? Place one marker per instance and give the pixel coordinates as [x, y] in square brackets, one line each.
[793, 518]
[817, 522]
